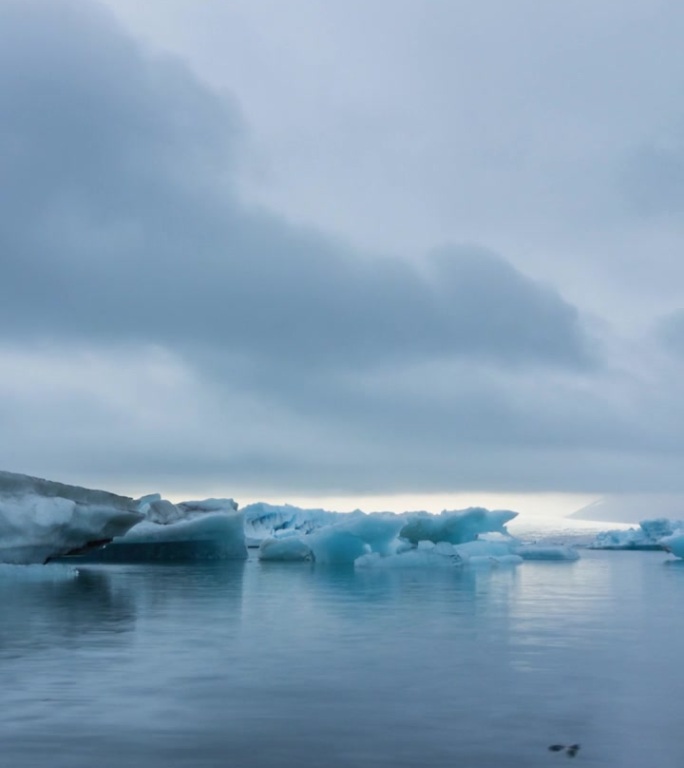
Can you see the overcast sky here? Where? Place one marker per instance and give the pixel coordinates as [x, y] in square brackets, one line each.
[333, 248]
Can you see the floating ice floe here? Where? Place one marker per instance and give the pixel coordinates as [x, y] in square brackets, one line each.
[546, 552]
[425, 555]
[651, 534]
[411, 540]
[212, 529]
[41, 520]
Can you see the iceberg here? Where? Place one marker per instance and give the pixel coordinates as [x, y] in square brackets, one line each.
[425, 555]
[409, 540]
[355, 535]
[268, 521]
[559, 552]
[286, 550]
[674, 544]
[455, 526]
[648, 536]
[483, 552]
[212, 529]
[41, 520]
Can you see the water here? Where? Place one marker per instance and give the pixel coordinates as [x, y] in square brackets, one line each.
[253, 665]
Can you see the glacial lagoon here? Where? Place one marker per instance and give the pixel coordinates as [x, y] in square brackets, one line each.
[263, 665]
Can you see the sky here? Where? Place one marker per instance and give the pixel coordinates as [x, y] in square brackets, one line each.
[356, 253]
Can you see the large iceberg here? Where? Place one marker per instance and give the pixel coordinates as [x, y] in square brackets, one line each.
[389, 540]
[212, 529]
[41, 520]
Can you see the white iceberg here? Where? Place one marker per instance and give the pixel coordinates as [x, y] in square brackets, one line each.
[212, 529]
[41, 520]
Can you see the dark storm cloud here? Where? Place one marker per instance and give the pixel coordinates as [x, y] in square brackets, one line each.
[120, 222]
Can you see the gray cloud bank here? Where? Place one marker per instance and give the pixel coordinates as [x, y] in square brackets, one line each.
[154, 327]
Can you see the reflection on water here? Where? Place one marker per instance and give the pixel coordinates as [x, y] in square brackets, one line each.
[39, 615]
[260, 665]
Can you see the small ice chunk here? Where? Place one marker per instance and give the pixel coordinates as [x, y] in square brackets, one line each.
[481, 548]
[414, 558]
[543, 552]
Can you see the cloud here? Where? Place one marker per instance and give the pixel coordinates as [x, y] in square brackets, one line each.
[122, 223]
[669, 331]
[156, 328]
[653, 180]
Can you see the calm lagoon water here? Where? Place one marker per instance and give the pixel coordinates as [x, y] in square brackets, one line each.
[294, 665]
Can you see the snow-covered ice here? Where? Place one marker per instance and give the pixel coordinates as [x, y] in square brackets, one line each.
[41, 519]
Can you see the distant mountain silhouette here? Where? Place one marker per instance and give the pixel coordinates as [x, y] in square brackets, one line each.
[632, 508]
